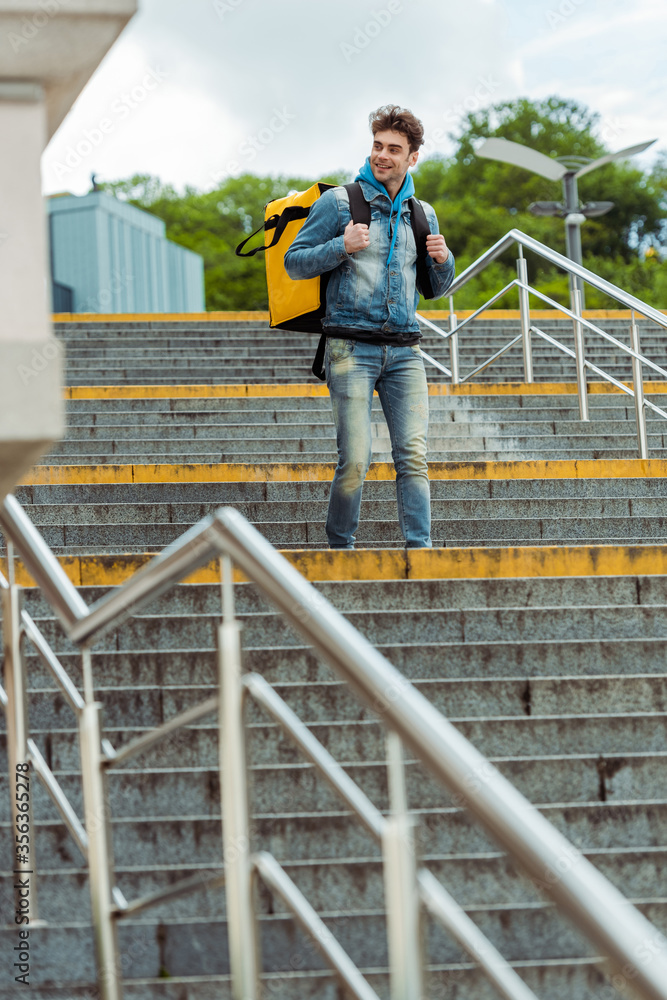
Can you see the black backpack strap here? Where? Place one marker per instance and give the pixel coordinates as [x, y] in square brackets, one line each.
[421, 229]
[277, 222]
[318, 363]
[360, 210]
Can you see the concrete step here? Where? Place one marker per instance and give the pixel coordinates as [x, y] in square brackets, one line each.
[596, 530]
[240, 433]
[408, 595]
[643, 510]
[488, 879]
[263, 338]
[534, 660]
[550, 980]
[260, 421]
[270, 353]
[218, 458]
[286, 511]
[226, 491]
[426, 625]
[234, 400]
[196, 947]
[225, 432]
[556, 778]
[620, 828]
[276, 365]
[322, 440]
[561, 681]
[300, 373]
[615, 735]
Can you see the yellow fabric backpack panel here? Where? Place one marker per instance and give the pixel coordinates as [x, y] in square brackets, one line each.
[293, 305]
[289, 299]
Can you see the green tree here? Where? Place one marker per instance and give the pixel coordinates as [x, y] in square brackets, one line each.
[213, 223]
[477, 201]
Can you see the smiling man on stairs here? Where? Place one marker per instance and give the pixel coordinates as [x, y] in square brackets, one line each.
[376, 276]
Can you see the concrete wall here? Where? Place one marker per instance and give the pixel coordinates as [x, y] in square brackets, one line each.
[31, 415]
[47, 57]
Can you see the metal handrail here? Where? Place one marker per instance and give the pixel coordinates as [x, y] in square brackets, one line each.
[59, 799]
[65, 684]
[442, 906]
[591, 326]
[587, 364]
[185, 886]
[275, 877]
[469, 319]
[581, 892]
[41, 563]
[525, 290]
[337, 777]
[436, 364]
[599, 371]
[578, 270]
[148, 739]
[494, 357]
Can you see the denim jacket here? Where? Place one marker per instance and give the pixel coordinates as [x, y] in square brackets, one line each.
[362, 293]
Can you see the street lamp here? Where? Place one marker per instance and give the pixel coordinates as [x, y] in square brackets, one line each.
[567, 169]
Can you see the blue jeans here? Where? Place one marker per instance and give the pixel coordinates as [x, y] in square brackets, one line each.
[353, 370]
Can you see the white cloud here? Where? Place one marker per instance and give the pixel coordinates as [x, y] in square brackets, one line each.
[231, 68]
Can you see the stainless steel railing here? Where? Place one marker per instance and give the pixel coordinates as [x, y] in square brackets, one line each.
[617, 929]
[583, 365]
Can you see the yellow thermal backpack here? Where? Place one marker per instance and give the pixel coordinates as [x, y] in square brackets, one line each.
[300, 304]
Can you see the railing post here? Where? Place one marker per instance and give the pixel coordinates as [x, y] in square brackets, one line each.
[579, 353]
[404, 930]
[239, 878]
[21, 788]
[100, 856]
[524, 308]
[453, 343]
[638, 385]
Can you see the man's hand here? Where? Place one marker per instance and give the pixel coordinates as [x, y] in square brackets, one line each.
[356, 237]
[437, 248]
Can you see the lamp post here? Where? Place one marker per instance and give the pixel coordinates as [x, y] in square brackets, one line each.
[567, 169]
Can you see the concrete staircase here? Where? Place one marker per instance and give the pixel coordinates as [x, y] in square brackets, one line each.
[537, 625]
[244, 350]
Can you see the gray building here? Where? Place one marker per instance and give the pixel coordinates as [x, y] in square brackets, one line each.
[111, 257]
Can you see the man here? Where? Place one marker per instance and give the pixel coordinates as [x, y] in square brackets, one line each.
[372, 331]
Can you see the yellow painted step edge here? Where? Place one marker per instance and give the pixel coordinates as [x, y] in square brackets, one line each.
[311, 389]
[261, 316]
[65, 475]
[401, 564]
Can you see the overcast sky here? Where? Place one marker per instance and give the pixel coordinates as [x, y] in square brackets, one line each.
[197, 90]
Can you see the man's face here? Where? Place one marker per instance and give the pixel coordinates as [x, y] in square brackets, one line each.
[391, 157]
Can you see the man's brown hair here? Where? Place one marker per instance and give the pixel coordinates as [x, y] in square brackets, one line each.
[391, 118]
